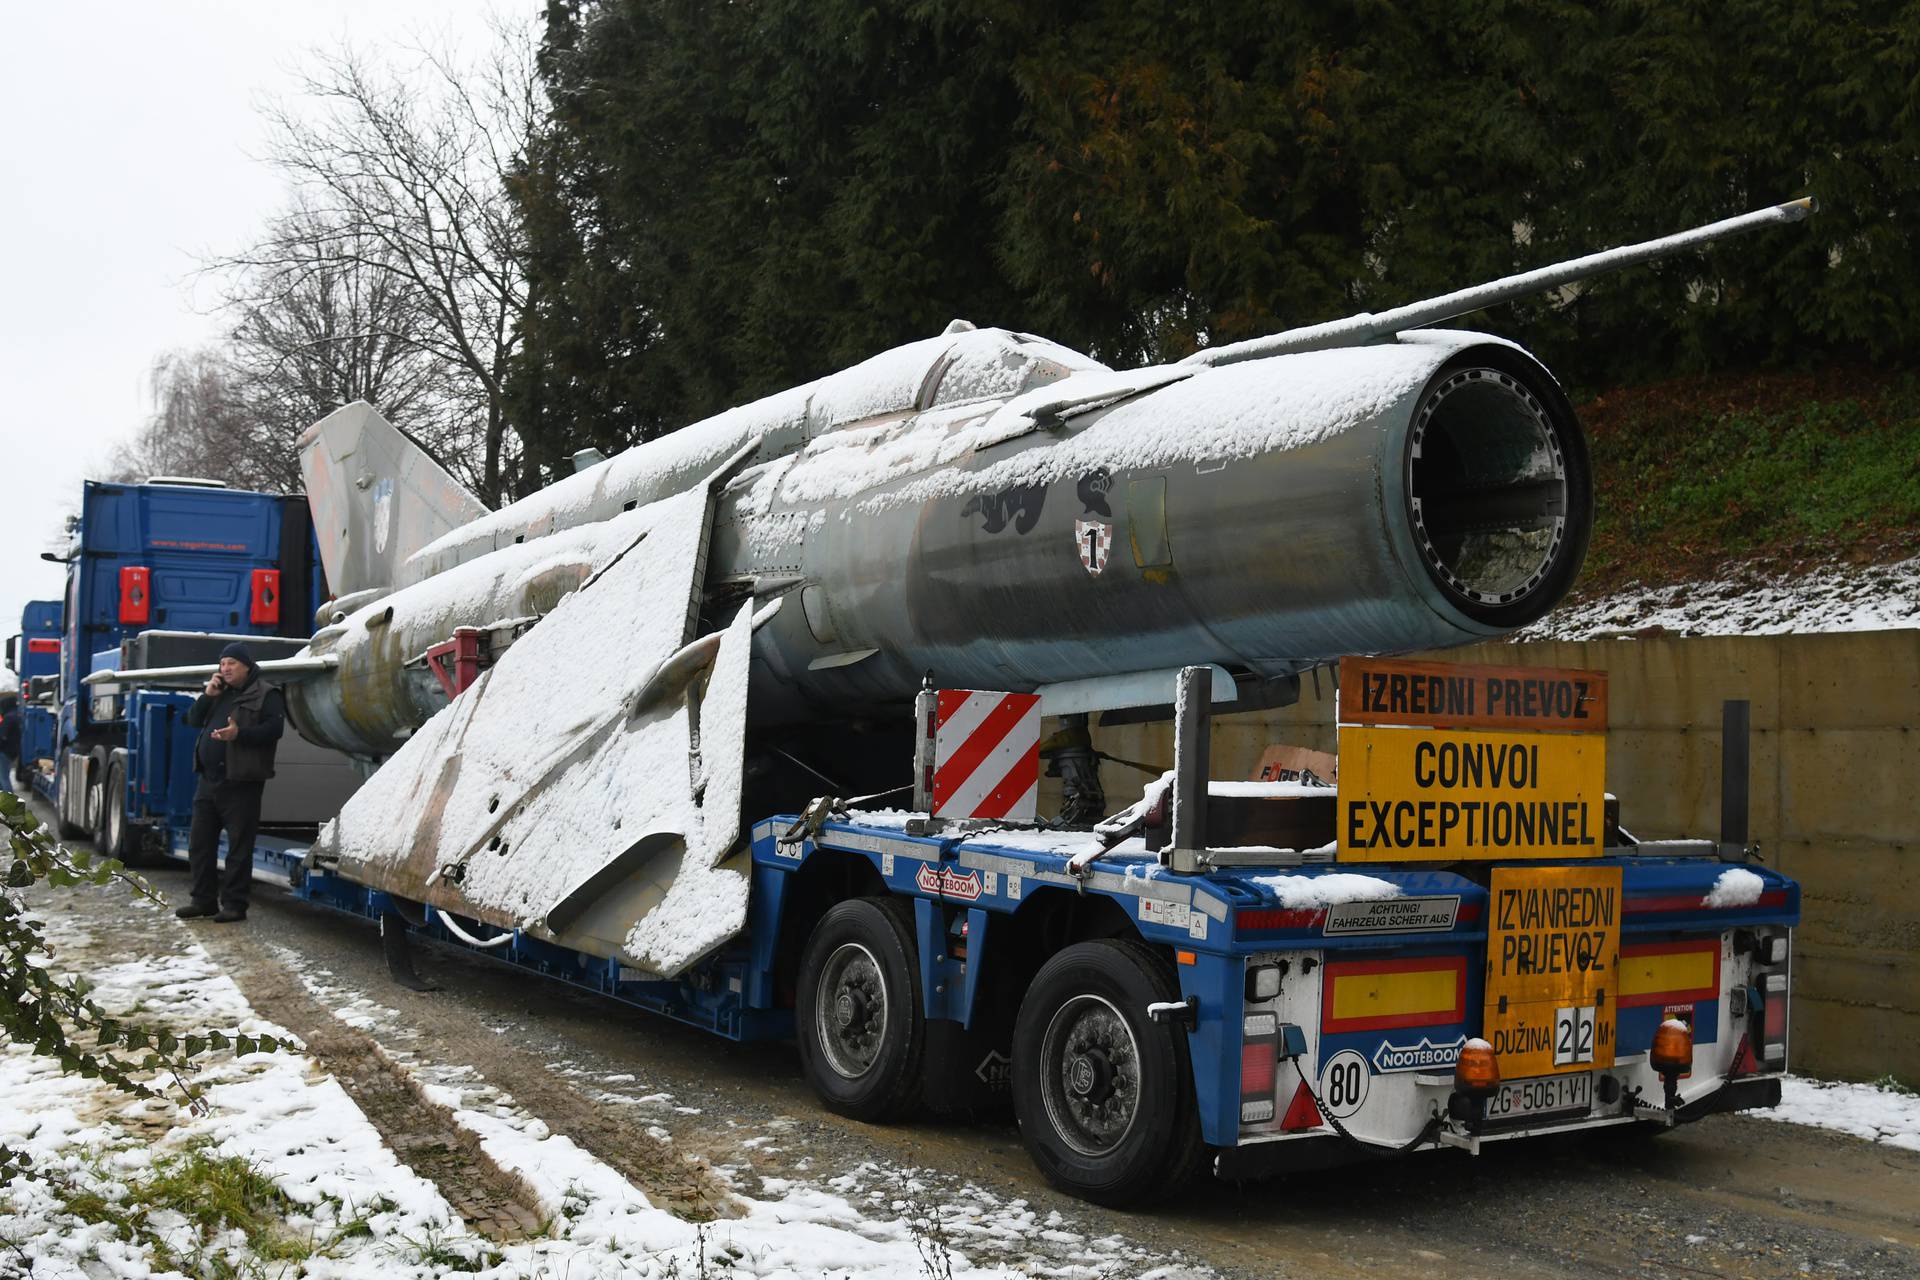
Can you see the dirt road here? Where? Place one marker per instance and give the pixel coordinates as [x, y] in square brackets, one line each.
[692, 1120]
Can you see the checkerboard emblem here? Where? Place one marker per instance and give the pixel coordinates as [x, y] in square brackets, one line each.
[1095, 539]
[986, 755]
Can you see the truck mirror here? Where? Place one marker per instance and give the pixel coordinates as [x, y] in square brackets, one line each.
[12, 641]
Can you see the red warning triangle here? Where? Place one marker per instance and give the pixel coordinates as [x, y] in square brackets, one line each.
[1301, 1113]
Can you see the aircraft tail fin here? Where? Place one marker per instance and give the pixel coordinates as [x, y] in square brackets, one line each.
[376, 497]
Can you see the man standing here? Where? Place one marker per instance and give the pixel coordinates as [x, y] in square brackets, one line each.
[240, 717]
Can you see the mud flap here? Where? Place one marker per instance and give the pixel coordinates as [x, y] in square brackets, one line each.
[398, 950]
[968, 1072]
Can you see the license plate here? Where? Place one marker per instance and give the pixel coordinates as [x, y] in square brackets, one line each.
[1548, 1095]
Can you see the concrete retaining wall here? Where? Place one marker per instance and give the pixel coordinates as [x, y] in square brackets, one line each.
[1836, 798]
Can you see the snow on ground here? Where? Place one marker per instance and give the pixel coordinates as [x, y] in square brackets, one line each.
[878, 1220]
[1874, 1112]
[352, 1197]
[366, 1214]
[1749, 601]
[370, 1216]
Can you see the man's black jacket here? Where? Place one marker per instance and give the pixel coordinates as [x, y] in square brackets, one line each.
[259, 711]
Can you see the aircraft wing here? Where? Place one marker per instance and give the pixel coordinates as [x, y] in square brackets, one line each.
[586, 787]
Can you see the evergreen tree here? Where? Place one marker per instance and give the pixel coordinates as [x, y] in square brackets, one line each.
[732, 199]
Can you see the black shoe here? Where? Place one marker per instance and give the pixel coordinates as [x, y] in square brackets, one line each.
[193, 910]
[230, 915]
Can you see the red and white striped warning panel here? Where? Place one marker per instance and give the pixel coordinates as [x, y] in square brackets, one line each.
[986, 755]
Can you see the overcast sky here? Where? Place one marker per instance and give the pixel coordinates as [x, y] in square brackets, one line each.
[130, 134]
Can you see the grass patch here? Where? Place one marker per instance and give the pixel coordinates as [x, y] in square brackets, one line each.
[1778, 468]
[462, 1253]
[215, 1194]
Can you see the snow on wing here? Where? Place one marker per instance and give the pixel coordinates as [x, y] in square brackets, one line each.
[537, 802]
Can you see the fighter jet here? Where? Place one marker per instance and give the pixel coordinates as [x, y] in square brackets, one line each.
[984, 508]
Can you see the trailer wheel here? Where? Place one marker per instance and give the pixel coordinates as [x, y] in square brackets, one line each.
[857, 1014]
[1103, 1094]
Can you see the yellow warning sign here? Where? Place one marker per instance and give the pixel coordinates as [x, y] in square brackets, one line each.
[1553, 949]
[1436, 795]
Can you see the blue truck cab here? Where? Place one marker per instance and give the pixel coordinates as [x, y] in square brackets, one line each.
[162, 573]
[33, 655]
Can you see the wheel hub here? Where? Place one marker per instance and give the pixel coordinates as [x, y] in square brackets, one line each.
[850, 1010]
[1090, 1076]
[851, 1017]
[1091, 1066]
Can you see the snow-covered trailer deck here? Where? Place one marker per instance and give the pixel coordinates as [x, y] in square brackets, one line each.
[1284, 1017]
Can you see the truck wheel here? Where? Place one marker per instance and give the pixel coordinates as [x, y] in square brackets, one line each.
[114, 829]
[99, 803]
[1104, 1095]
[857, 1014]
[64, 784]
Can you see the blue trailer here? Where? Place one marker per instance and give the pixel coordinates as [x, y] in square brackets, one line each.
[166, 573]
[1156, 1003]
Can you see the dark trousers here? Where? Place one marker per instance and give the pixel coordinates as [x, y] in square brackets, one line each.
[233, 807]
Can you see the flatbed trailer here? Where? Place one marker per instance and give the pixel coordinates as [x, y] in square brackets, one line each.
[277, 859]
[1148, 1023]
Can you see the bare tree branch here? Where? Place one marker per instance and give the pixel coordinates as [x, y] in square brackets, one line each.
[398, 276]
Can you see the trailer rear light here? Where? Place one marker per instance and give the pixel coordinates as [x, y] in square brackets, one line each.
[1263, 982]
[1259, 1062]
[1476, 1072]
[43, 646]
[1773, 950]
[266, 598]
[1773, 1021]
[136, 595]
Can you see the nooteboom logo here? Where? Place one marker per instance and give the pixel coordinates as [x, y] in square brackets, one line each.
[1411, 1057]
[949, 884]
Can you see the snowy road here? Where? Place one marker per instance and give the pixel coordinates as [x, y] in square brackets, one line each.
[517, 1098]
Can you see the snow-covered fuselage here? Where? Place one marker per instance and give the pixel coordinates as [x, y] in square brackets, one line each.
[1004, 513]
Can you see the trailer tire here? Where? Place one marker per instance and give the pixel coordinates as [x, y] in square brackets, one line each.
[1104, 1095]
[858, 1018]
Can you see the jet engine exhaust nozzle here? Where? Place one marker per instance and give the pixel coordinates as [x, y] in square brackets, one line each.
[1499, 493]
